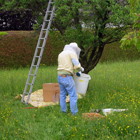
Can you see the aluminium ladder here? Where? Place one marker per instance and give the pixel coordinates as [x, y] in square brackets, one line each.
[39, 50]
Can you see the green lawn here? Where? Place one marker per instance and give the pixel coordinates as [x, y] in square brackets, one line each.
[112, 85]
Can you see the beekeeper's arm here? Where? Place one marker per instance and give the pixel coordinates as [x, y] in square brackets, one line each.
[77, 64]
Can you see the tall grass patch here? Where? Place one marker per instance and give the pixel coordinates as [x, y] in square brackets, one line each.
[112, 85]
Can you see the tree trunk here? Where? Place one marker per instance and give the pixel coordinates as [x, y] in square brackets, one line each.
[93, 60]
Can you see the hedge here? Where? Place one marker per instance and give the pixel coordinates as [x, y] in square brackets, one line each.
[112, 53]
[18, 47]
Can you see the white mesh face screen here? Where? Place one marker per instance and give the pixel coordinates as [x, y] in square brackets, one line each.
[75, 47]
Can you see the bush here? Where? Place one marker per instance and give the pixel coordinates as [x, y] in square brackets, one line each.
[112, 53]
[18, 47]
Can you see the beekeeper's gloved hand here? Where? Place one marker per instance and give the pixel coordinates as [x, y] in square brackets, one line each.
[78, 73]
[82, 69]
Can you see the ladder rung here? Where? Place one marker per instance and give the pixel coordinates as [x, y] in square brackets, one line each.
[40, 47]
[49, 11]
[46, 20]
[37, 56]
[27, 93]
[41, 38]
[29, 84]
[44, 29]
[44, 38]
[32, 74]
[35, 65]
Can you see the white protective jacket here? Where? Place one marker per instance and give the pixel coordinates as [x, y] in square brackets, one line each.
[68, 59]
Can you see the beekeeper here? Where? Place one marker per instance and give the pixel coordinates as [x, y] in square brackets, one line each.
[68, 60]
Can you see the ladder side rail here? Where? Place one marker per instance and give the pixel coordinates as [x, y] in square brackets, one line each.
[46, 16]
[42, 49]
[26, 85]
[31, 87]
[48, 27]
[44, 21]
[46, 36]
[41, 33]
[33, 80]
[43, 26]
[31, 68]
[45, 39]
[25, 89]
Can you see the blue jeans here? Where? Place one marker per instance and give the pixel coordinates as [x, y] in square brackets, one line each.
[67, 84]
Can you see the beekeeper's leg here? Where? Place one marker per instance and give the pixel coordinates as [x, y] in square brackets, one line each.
[73, 95]
[63, 92]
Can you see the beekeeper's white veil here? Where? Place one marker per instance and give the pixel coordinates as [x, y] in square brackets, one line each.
[74, 47]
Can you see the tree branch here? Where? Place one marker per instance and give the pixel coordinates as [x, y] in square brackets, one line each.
[96, 59]
[86, 52]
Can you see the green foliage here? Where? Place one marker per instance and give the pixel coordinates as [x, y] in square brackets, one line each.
[133, 38]
[22, 4]
[38, 8]
[72, 14]
[89, 23]
[92, 24]
[3, 33]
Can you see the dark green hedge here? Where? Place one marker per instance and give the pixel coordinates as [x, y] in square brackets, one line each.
[112, 53]
[18, 47]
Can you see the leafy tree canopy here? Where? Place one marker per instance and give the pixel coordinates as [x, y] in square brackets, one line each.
[133, 37]
[90, 23]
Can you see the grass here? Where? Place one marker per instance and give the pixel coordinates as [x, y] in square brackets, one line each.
[113, 85]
